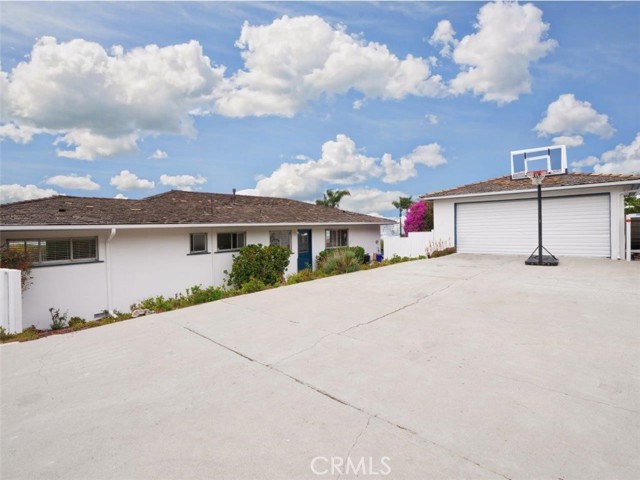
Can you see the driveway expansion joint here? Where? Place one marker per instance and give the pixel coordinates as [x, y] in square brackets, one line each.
[350, 405]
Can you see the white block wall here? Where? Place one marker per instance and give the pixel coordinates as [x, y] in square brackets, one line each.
[11, 300]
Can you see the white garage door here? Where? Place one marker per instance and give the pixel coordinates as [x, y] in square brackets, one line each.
[570, 226]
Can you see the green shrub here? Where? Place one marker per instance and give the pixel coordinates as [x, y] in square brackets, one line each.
[340, 261]
[253, 285]
[357, 251]
[257, 262]
[76, 322]
[57, 321]
[304, 276]
[210, 294]
[27, 334]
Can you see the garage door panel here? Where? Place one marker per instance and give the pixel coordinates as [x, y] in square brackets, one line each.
[571, 226]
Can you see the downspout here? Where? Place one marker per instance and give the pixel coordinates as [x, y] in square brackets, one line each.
[108, 261]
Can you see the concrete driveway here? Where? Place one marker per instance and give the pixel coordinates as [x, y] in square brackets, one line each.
[459, 367]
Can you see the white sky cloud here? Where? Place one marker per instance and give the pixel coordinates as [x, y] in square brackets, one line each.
[182, 182]
[158, 155]
[370, 200]
[405, 168]
[578, 165]
[294, 60]
[569, 140]
[103, 102]
[17, 193]
[341, 164]
[444, 35]
[120, 196]
[126, 180]
[495, 60]
[570, 116]
[432, 119]
[73, 181]
[622, 159]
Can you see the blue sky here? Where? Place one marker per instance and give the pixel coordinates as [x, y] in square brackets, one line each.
[291, 98]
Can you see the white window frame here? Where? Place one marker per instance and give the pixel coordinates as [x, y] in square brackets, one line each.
[332, 237]
[40, 244]
[191, 241]
[234, 245]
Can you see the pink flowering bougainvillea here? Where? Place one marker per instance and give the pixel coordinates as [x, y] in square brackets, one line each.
[419, 217]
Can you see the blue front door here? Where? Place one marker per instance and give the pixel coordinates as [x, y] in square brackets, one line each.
[305, 256]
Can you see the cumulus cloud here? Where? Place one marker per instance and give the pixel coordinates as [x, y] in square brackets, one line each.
[18, 133]
[569, 140]
[120, 196]
[73, 181]
[495, 60]
[405, 168]
[342, 164]
[622, 159]
[570, 116]
[102, 102]
[444, 35]
[370, 200]
[294, 60]
[578, 165]
[158, 155]
[432, 119]
[90, 145]
[182, 182]
[18, 193]
[126, 180]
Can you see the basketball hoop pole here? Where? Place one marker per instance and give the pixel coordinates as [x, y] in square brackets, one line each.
[540, 258]
[540, 223]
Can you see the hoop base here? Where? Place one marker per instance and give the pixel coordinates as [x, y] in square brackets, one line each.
[547, 260]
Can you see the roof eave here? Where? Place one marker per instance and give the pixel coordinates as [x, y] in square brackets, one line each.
[530, 190]
[138, 226]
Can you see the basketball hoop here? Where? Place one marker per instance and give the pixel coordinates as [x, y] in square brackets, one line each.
[536, 176]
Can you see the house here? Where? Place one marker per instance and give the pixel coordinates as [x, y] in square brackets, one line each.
[96, 254]
[583, 215]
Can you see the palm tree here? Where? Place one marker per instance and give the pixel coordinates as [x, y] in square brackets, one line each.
[403, 203]
[331, 198]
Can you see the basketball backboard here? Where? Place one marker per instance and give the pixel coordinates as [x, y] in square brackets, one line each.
[552, 159]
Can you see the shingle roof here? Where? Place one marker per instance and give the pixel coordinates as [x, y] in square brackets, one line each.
[175, 207]
[507, 184]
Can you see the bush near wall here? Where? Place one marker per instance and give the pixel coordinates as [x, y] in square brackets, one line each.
[324, 254]
[258, 263]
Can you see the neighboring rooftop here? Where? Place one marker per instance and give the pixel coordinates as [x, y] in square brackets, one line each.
[175, 207]
[507, 184]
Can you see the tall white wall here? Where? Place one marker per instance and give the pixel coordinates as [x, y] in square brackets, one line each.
[134, 264]
[413, 245]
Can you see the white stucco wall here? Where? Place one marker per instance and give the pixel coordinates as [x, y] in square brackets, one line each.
[444, 228]
[136, 263]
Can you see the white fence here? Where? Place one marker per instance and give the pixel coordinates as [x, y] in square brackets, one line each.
[11, 304]
[413, 245]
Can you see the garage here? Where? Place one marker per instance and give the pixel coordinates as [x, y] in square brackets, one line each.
[583, 215]
[575, 225]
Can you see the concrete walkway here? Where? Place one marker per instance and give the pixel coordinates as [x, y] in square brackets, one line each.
[460, 367]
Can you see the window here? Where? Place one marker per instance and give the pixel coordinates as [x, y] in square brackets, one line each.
[58, 250]
[198, 243]
[231, 241]
[336, 238]
[280, 237]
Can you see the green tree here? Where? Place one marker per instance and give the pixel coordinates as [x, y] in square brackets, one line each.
[403, 203]
[332, 198]
[631, 204]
